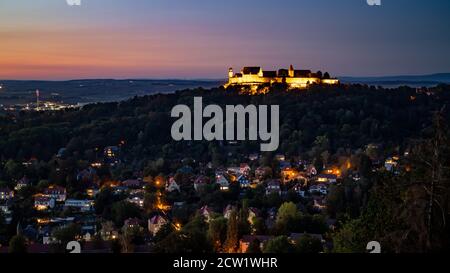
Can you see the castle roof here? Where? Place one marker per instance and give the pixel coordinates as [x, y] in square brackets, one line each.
[283, 73]
[251, 70]
[302, 73]
[269, 74]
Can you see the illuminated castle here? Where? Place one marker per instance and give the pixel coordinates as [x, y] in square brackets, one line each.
[255, 76]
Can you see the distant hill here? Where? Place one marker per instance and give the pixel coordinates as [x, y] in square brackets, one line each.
[392, 81]
[90, 91]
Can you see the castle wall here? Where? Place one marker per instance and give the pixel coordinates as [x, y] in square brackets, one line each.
[330, 81]
[293, 82]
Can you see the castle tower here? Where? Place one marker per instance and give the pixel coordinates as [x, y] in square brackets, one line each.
[260, 73]
[230, 73]
[291, 71]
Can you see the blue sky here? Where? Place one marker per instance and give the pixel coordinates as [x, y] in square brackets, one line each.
[46, 39]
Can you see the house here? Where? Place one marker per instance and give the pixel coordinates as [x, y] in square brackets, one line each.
[235, 171]
[133, 183]
[108, 231]
[220, 171]
[82, 205]
[289, 174]
[223, 183]
[111, 154]
[390, 164]
[318, 189]
[172, 185]
[260, 172]
[43, 202]
[206, 212]
[299, 190]
[327, 178]
[87, 232]
[92, 191]
[119, 190]
[137, 199]
[132, 223]
[86, 175]
[156, 223]
[22, 183]
[185, 170]
[273, 186]
[5, 210]
[56, 192]
[6, 194]
[200, 182]
[245, 168]
[61, 153]
[243, 182]
[319, 203]
[246, 240]
[311, 170]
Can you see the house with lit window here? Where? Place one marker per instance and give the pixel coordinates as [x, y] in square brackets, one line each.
[273, 186]
[243, 181]
[22, 183]
[137, 199]
[6, 194]
[56, 192]
[327, 178]
[223, 183]
[81, 205]
[43, 202]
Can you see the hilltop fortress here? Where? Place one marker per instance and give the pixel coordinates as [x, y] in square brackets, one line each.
[255, 77]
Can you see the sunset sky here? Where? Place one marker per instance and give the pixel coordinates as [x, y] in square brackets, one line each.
[47, 39]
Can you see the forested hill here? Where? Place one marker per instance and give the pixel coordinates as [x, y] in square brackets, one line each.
[337, 120]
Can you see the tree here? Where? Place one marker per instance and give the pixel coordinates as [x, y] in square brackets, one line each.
[103, 202]
[123, 210]
[431, 178]
[2, 223]
[217, 232]
[231, 241]
[13, 169]
[259, 227]
[287, 218]
[191, 239]
[67, 234]
[254, 247]
[278, 245]
[17, 244]
[308, 244]
[165, 231]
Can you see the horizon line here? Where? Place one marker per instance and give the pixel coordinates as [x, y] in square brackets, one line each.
[208, 79]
